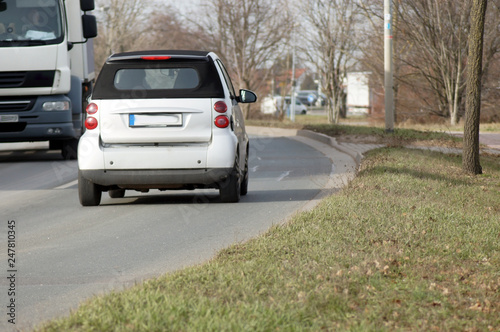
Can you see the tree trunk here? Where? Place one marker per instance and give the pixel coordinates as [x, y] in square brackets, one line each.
[470, 159]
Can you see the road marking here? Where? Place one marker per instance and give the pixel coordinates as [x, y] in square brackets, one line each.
[254, 169]
[67, 185]
[283, 175]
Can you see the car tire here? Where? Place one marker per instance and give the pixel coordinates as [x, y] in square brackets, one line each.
[116, 193]
[244, 181]
[230, 189]
[88, 192]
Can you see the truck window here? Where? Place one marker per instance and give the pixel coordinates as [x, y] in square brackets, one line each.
[31, 22]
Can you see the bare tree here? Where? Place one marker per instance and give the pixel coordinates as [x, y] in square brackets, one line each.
[331, 46]
[437, 35]
[430, 54]
[166, 29]
[122, 24]
[490, 93]
[470, 161]
[126, 25]
[248, 35]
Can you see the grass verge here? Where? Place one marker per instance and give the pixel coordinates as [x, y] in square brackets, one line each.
[367, 134]
[410, 244]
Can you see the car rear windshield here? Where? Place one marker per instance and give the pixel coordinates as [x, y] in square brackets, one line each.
[141, 79]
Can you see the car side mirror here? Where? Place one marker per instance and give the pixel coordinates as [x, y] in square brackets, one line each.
[247, 96]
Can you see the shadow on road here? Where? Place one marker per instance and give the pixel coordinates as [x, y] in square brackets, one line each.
[29, 156]
[212, 196]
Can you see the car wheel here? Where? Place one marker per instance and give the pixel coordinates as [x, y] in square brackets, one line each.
[230, 189]
[244, 181]
[116, 193]
[88, 192]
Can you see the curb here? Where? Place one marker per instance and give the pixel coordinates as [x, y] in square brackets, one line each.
[331, 141]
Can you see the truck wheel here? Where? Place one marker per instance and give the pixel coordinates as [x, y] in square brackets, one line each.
[230, 189]
[116, 193]
[69, 150]
[88, 192]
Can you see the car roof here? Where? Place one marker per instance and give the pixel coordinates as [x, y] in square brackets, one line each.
[186, 54]
[202, 61]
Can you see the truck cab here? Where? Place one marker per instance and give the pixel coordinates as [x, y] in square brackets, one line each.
[46, 71]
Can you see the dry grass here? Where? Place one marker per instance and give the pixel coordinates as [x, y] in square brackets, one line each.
[412, 244]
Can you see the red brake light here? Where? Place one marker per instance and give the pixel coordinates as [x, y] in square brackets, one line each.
[91, 108]
[221, 121]
[156, 57]
[220, 107]
[91, 123]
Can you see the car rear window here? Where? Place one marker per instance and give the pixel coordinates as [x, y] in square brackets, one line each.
[156, 79]
[140, 79]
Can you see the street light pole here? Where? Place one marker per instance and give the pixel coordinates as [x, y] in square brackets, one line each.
[388, 68]
[292, 97]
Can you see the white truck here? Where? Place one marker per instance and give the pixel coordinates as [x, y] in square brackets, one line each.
[359, 98]
[46, 71]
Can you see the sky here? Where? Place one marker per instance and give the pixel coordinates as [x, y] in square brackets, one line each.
[182, 5]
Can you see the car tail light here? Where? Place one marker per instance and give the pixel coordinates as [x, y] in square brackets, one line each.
[220, 107]
[91, 123]
[91, 108]
[221, 121]
[156, 57]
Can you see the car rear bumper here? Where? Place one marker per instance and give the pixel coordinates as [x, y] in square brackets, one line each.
[157, 179]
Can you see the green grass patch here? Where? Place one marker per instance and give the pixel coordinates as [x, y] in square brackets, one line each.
[404, 136]
[364, 121]
[411, 244]
[358, 133]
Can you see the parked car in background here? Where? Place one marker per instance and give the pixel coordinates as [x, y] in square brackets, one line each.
[273, 105]
[311, 98]
[164, 120]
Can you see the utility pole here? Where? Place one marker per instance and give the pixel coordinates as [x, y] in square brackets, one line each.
[388, 67]
[292, 97]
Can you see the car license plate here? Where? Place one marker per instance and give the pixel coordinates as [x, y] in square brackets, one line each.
[9, 118]
[155, 120]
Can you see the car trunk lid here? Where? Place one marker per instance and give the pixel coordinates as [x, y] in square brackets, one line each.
[155, 121]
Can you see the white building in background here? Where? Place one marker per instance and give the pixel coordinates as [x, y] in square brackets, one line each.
[359, 98]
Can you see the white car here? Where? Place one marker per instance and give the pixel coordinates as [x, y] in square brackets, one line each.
[164, 120]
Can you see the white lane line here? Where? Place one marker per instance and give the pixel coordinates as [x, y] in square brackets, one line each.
[67, 185]
[283, 175]
[254, 169]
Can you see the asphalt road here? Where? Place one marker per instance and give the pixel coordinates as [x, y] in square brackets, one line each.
[492, 140]
[65, 253]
